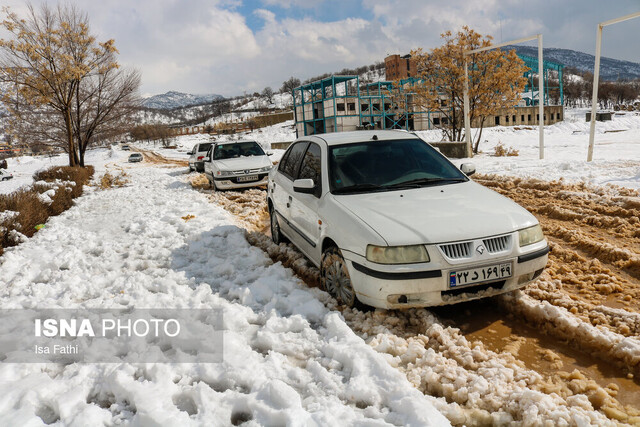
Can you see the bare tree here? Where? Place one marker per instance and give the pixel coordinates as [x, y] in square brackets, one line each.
[68, 87]
[268, 93]
[289, 85]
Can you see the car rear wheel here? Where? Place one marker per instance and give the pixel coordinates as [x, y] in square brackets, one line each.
[276, 234]
[334, 277]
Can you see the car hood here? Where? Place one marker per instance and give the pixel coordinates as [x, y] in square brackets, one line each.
[443, 213]
[238, 163]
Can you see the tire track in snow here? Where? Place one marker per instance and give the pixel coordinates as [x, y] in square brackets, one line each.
[441, 361]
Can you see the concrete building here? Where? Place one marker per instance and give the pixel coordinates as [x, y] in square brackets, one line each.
[341, 103]
[399, 67]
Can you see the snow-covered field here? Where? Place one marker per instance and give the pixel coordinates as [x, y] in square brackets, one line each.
[24, 167]
[616, 158]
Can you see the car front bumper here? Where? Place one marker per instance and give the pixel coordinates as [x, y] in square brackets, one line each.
[404, 287]
[232, 182]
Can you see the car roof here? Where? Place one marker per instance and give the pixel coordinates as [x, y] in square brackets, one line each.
[339, 138]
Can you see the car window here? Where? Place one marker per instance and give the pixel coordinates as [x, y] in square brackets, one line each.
[388, 165]
[292, 164]
[204, 147]
[240, 149]
[310, 167]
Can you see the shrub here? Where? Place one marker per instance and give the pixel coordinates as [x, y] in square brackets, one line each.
[501, 151]
[35, 204]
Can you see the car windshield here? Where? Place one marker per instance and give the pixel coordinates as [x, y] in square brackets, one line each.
[240, 149]
[388, 165]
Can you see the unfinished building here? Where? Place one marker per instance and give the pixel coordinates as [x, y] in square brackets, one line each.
[341, 103]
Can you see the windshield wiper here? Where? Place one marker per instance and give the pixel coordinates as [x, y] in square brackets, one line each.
[421, 182]
[357, 187]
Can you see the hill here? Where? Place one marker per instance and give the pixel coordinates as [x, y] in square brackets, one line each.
[610, 69]
[173, 99]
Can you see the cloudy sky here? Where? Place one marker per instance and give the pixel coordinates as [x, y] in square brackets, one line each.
[231, 46]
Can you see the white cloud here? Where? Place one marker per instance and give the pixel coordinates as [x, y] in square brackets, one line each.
[204, 46]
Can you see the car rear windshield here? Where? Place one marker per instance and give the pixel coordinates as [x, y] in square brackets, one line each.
[204, 147]
[241, 149]
[388, 165]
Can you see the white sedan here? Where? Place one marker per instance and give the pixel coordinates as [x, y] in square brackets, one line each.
[237, 164]
[392, 223]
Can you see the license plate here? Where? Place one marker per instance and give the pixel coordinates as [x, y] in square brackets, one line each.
[480, 274]
[247, 178]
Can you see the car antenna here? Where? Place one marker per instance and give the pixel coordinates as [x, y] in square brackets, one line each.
[374, 137]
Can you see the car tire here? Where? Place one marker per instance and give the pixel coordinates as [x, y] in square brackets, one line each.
[276, 234]
[334, 277]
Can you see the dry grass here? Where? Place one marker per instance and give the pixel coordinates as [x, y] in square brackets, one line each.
[502, 151]
[110, 180]
[33, 208]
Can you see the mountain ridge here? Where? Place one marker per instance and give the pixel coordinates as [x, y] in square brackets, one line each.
[174, 99]
[610, 69]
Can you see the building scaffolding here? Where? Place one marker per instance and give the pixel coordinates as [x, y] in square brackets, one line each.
[340, 103]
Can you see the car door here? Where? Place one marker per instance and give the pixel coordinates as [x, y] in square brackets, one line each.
[282, 188]
[208, 162]
[192, 155]
[304, 206]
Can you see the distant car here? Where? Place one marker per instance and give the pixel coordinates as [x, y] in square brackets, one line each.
[197, 154]
[125, 147]
[5, 176]
[392, 223]
[237, 164]
[135, 157]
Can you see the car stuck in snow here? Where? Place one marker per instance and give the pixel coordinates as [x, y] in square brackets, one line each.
[135, 157]
[5, 176]
[392, 223]
[237, 164]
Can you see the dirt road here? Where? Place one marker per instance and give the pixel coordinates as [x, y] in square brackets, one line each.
[571, 338]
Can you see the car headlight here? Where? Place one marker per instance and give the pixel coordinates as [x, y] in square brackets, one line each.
[224, 173]
[265, 169]
[397, 254]
[531, 235]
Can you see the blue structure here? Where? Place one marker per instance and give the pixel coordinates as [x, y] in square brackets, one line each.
[340, 103]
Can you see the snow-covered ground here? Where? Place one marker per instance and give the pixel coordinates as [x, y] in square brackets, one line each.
[24, 167]
[616, 158]
[287, 358]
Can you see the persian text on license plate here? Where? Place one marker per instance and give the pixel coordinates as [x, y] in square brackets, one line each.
[247, 178]
[480, 274]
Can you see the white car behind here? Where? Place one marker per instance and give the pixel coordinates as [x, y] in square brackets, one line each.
[237, 164]
[197, 155]
[392, 223]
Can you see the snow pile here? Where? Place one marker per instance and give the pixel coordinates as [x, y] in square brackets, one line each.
[287, 358]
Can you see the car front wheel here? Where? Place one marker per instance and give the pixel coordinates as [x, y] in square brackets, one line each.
[334, 277]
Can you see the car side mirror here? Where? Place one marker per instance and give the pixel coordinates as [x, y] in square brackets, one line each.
[269, 153]
[207, 159]
[306, 186]
[468, 168]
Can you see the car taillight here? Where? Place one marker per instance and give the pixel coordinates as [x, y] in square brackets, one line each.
[200, 157]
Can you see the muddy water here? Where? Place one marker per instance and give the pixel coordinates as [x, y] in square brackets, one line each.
[500, 331]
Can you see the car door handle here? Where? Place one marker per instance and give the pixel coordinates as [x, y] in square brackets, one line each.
[289, 202]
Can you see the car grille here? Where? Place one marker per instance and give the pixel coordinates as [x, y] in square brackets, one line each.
[497, 244]
[457, 250]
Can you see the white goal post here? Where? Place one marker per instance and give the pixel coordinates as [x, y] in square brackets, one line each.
[467, 119]
[596, 76]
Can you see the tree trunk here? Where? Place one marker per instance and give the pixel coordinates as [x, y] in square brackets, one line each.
[475, 149]
[72, 148]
